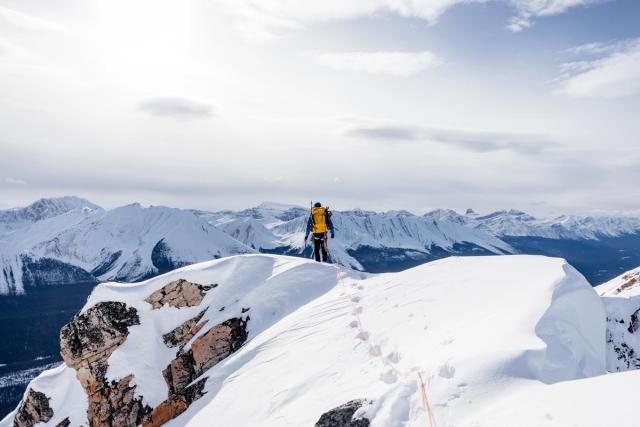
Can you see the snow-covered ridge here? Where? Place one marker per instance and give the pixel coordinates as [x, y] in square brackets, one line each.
[499, 341]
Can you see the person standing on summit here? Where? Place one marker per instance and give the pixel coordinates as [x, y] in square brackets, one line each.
[319, 224]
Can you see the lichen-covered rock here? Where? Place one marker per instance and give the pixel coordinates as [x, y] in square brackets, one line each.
[86, 344]
[183, 333]
[206, 351]
[34, 409]
[115, 405]
[176, 405]
[342, 416]
[179, 293]
[95, 334]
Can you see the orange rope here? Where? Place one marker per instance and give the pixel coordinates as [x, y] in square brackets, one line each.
[425, 401]
[372, 351]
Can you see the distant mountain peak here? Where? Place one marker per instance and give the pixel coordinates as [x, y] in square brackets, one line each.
[46, 208]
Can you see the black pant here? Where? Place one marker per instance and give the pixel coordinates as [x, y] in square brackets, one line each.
[320, 245]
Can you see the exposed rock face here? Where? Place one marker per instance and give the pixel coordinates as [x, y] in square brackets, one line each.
[176, 405]
[183, 333]
[86, 344]
[179, 293]
[95, 334]
[115, 405]
[34, 409]
[64, 423]
[342, 416]
[634, 322]
[630, 281]
[626, 357]
[206, 351]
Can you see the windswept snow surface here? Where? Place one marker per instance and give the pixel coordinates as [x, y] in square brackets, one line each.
[500, 341]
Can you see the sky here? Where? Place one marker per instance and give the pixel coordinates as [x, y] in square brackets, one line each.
[375, 104]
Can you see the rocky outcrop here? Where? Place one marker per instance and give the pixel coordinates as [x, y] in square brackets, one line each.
[90, 338]
[115, 405]
[95, 334]
[64, 423]
[179, 293]
[183, 333]
[86, 344]
[629, 281]
[176, 405]
[342, 416]
[34, 409]
[206, 351]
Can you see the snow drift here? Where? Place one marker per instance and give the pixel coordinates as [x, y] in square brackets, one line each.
[499, 341]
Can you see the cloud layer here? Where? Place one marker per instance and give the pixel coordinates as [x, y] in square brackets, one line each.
[265, 21]
[477, 141]
[177, 108]
[482, 130]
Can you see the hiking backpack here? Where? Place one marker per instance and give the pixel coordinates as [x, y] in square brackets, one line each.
[320, 219]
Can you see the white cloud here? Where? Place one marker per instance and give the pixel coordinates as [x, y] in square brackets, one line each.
[477, 141]
[14, 181]
[519, 23]
[529, 9]
[267, 20]
[616, 74]
[178, 108]
[400, 64]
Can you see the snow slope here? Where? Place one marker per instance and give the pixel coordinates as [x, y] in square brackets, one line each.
[499, 341]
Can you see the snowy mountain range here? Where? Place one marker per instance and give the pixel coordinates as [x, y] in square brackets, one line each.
[269, 340]
[601, 247]
[71, 240]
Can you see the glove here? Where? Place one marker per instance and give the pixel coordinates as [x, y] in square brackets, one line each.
[305, 238]
[333, 234]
